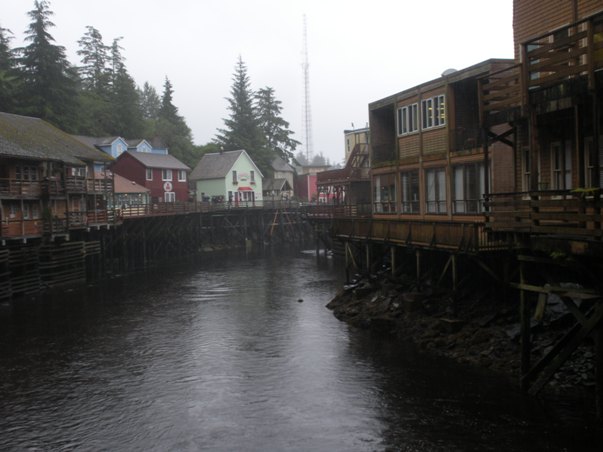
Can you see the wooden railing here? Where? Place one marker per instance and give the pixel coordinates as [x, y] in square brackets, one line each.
[14, 187]
[557, 212]
[501, 92]
[470, 237]
[570, 52]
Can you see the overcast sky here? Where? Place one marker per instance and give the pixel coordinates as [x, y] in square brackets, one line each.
[359, 52]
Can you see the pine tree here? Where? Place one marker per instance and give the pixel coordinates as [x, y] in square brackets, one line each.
[48, 89]
[243, 129]
[125, 102]
[150, 103]
[95, 56]
[172, 130]
[8, 77]
[275, 128]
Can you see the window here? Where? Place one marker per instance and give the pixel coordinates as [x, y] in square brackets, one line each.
[435, 180]
[561, 164]
[26, 173]
[252, 176]
[181, 176]
[408, 119]
[527, 168]
[409, 184]
[433, 112]
[235, 180]
[589, 159]
[384, 193]
[78, 172]
[468, 188]
[166, 174]
[169, 196]
[149, 174]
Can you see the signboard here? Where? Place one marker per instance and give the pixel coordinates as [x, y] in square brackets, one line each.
[167, 186]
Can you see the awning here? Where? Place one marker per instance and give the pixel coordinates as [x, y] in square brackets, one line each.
[245, 189]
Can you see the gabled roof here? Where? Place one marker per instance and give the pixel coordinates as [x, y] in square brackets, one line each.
[279, 164]
[157, 160]
[98, 141]
[216, 165]
[278, 184]
[123, 185]
[27, 137]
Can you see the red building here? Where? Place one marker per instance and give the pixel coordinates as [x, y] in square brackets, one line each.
[164, 175]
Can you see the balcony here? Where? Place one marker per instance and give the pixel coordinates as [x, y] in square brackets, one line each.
[562, 213]
[20, 188]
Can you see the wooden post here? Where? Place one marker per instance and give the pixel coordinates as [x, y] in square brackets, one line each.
[454, 274]
[418, 263]
[598, 333]
[524, 315]
[392, 252]
[367, 249]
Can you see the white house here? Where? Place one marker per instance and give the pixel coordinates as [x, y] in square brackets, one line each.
[227, 177]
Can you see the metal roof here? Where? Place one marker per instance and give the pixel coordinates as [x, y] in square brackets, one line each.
[151, 160]
[215, 165]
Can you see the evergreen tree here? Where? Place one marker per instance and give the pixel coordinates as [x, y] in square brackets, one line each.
[125, 102]
[96, 112]
[8, 78]
[150, 103]
[95, 55]
[243, 129]
[172, 130]
[275, 128]
[48, 88]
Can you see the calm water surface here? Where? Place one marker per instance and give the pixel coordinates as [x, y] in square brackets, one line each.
[221, 356]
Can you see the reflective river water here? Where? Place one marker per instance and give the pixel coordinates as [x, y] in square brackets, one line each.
[223, 356]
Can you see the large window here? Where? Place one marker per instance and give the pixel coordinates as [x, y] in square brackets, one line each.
[166, 174]
[435, 180]
[433, 112]
[26, 172]
[561, 165]
[589, 162]
[408, 119]
[468, 188]
[409, 185]
[169, 196]
[384, 193]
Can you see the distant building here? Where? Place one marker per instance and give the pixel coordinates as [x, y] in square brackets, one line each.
[305, 186]
[129, 193]
[230, 176]
[354, 137]
[281, 185]
[164, 175]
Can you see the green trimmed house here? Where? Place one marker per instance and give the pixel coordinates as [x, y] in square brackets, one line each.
[230, 177]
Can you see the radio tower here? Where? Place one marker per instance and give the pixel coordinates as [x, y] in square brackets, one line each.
[307, 115]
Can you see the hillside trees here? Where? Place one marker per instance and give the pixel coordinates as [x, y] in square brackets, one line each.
[49, 82]
[274, 127]
[8, 77]
[254, 123]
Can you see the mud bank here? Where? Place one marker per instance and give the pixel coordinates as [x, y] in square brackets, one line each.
[477, 325]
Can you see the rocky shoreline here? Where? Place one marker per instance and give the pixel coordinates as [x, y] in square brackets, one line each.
[475, 325]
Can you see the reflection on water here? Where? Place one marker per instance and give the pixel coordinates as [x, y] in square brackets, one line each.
[223, 356]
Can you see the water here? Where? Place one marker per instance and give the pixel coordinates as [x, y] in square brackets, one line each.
[221, 356]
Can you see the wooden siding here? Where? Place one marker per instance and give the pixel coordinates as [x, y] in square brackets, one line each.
[532, 18]
[410, 146]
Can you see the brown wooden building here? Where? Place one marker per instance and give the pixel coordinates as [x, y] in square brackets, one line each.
[48, 182]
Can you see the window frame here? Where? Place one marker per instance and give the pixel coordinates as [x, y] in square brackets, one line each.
[408, 119]
[181, 176]
[149, 173]
[410, 192]
[166, 174]
[438, 205]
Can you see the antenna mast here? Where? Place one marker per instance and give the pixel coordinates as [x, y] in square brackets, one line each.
[307, 115]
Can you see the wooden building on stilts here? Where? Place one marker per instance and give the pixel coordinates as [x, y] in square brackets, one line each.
[500, 164]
